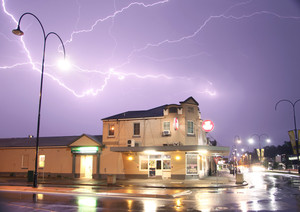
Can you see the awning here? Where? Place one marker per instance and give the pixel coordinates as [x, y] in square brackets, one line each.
[211, 150]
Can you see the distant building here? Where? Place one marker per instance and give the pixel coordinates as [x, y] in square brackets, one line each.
[278, 159]
[164, 142]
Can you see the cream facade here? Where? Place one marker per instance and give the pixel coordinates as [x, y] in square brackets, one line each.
[67, 156]
[163, 142]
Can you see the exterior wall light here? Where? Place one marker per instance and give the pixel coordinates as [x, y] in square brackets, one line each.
[203, 151]
[177, 157]
[150, 152]
[130, 158]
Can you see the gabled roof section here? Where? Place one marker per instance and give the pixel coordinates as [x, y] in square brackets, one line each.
[190, 100]
[155, 112]
[87, 140]
[43, 141]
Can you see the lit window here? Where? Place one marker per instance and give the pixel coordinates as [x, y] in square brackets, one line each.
[143, 162]
[166, 164]
[190, 127]
[111, 131]
[42, 161]
[136, 129]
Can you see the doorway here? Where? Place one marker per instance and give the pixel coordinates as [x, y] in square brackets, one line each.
[155, 168]
[86, 166]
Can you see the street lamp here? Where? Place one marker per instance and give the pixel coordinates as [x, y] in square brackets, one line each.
[236, 141]
[19, 32]
[295, 125]
[251, 141]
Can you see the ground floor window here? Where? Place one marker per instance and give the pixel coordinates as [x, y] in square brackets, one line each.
[155, 162]
[143, 162]
[25, 161]
[42, 161]
[191, 164]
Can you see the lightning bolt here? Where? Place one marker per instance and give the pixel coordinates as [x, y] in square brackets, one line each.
[114, 15]
[113, 72]
[195, 33]
[108, 74]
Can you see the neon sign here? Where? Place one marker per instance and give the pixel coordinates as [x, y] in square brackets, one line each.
[176, 124]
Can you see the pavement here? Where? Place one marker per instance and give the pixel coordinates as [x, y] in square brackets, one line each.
[167, 188]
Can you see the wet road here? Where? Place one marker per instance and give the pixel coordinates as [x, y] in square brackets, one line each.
[266, 192]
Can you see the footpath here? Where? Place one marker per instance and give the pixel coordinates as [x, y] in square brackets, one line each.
[168, 188]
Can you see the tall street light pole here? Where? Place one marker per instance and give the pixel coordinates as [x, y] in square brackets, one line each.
[259, 142]
[19, 32]
[295, 125]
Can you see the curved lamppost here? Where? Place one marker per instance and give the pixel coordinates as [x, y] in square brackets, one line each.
[295, 125]
[19, 32]
[251, 140]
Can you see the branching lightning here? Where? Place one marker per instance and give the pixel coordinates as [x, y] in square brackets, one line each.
[113, 72]
[114, 15]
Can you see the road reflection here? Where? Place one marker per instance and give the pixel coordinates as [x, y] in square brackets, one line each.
[87, 204]
[150, 205]
[266, 192]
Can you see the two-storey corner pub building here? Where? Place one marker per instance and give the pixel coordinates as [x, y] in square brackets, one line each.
[163, 142]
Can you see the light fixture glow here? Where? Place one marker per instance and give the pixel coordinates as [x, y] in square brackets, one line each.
[202, 151]
[150, 152]
[251, 141]
[177, 157]
[64, 64]
[88, 149]
[130, 158]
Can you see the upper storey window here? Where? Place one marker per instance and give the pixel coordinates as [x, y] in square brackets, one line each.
[136, 129]
[190, 130]
[166, 125]
[173, 110]
[190, 109]
[111, 131]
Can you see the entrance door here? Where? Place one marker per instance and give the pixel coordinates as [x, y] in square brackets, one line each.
[151, 168]
[155, 168]
[86, 166]
[158, 168]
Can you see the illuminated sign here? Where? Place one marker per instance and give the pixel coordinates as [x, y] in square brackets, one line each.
[208, 125]
[85, 150]
[176, 124]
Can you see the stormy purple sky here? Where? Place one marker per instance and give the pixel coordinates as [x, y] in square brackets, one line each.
[236, 58]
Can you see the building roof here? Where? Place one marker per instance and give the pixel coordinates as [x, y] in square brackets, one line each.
[155, 112]
[190, 100]
[45, 141]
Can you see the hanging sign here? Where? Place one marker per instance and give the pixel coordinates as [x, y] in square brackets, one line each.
[176, 124]
[208, 125]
